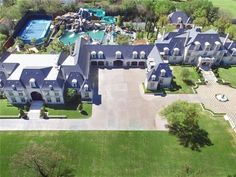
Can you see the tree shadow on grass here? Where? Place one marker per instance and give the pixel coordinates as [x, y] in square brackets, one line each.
[174, 86]
[188, 82]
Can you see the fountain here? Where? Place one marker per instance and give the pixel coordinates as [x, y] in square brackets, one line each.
[221, 97]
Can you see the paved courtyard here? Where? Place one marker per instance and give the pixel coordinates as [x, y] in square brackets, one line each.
[120, 104]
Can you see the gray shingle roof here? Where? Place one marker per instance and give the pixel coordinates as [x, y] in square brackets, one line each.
[173, 17]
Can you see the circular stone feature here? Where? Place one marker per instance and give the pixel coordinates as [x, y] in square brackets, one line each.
[221, 97]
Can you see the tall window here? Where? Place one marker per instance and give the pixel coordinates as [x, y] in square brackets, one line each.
[13, 100]
[58, 100]
[49, 100]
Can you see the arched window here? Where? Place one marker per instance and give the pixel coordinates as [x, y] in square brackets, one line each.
[142, 55]
[93, 55]
[32, 83]
[74, 83]
[118, 54]
[135, 54]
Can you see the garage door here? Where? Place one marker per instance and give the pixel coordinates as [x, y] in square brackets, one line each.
[134, 63]
[141, 63]
[100, 63]
[94, 63]
[118, 63]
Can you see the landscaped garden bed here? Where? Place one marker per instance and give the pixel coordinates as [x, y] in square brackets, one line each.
[185, 78]
[69, 111]
[226, 76]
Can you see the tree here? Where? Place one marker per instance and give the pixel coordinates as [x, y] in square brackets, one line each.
[40, 160]
[22, 113]
[164, 7]
[183, 122]
[185, 73]
[201, 21]
[122, 39]
[71, 95]
[163, 21]
[119, 21]
[33, 41]
[232, 32]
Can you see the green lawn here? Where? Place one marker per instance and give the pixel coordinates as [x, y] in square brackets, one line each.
[133, 154]
[179, 86]
[228, 74]
[226, 5]
[6, 109]
[70, 111]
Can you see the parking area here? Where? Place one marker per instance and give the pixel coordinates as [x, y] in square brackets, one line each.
[121, 105]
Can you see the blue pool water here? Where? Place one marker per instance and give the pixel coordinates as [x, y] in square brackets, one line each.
[35, 29]
[71, 37]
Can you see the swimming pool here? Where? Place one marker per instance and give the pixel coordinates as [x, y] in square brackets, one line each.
[70, 37]
[36, 29]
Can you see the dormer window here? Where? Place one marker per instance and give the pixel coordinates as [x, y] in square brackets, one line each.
[217, 45]
[207, 46]
[166, 50]
[100, 55]
[180, 20]
[13, 87]
[93, 55]
[176, 51]
[163, 73]
[153, 77]
[86, 87]
[197, 45]
[142, 55]
[50, 87]
[135, 54]
[118, 54]
[74, 83]
[32, 83]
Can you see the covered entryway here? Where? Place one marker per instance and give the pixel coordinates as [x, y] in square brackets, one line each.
[36, 96]
[118, 63]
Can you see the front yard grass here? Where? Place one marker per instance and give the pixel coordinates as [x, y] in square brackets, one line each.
[228, 75]
[132, 153]
[70, 111]
[7, 109]
[180, 86]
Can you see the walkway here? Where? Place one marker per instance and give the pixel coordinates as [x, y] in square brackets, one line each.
[35, 108]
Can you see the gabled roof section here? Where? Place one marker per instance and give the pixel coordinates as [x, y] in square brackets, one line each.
[109, 51]
[173, 17]
[77, 76]
[157, 71]
[38, 73]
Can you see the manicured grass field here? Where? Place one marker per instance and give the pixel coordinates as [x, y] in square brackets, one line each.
[69, 111]
[179, 85]
[228, 74]
[7, 109]
[226, 5]
[133, 154]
